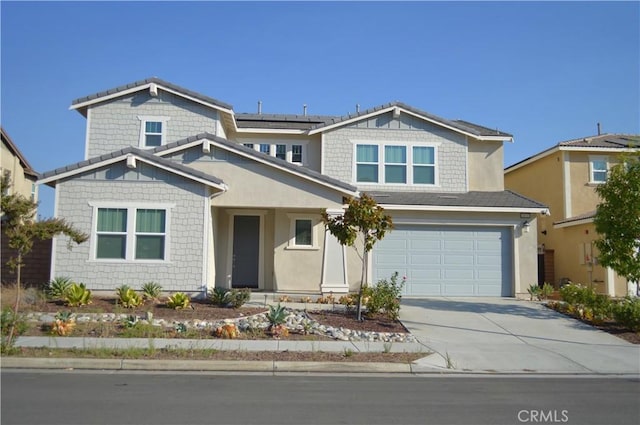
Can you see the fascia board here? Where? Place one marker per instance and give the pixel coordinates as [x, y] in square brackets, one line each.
[269, 131]
[573, 223]
[392, 207]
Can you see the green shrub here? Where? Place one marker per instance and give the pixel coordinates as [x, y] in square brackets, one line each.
[627, 313]
[8, 320]
[535, 291]
[234, 298]
[586, 302]
[127, 297]
[151, 291]
[179, 301]
[58, 287]
[77, 294]
[384, 297]
[546, 290]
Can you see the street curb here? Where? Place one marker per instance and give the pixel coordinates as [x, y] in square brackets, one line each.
[202, 365]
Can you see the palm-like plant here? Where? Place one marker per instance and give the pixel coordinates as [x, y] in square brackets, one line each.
[277, 316]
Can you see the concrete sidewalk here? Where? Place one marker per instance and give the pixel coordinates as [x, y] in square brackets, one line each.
[511, 336]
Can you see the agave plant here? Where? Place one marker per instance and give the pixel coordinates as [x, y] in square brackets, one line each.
[151, 291]
[77, 294]
[229, 297]
[277, 316]
[127, 297]
[58, 287]
[179, 301]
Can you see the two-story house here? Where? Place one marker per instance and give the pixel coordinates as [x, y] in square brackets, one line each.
[23, 176]
[564, 177]
[179, 189]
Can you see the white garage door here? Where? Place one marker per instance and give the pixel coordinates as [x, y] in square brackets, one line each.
[441, 261]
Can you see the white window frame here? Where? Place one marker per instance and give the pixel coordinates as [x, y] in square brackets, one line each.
[273, 148]
[314, 219]
[131, 233]
[142, 142]
[592, 170]
[382, 163]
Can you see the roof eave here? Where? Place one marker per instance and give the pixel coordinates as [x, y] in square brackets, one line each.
[458, 208]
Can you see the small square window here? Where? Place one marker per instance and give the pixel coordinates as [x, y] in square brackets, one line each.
[303, 232]
[598, 170]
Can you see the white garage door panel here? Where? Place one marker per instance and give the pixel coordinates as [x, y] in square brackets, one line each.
[447, 260]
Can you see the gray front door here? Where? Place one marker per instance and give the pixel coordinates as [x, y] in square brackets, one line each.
[246, 251]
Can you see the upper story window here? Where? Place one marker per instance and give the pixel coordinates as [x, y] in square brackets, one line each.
[395, 164]
[153, 131]
[598, 169]
[130, 234]
[290, 152]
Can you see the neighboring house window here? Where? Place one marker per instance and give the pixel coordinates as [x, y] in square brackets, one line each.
[131, 234]
[424, 165]
[296, 154]
[153, 131]
[303, 233]
[400, 164]
[281, 152]
[367, 163]
[598, 168]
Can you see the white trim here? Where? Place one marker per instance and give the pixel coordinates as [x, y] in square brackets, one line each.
[122, 157]
[566, 182]
[593, 158]
[270, 131]
[515, 261]
[403, 110]
[205, 242]
[130, 233]
[144, 119]
[573, 223]
[408, 164]
[322, 166]
[143, 87]
[610, 282]
[315, 221]
[54, 242]
[87, 135]
[396, 207]
[252, 213]
[260, 160]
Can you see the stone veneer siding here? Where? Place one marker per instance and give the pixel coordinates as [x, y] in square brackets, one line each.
[115, 125]
[185, 230]
[452, 151]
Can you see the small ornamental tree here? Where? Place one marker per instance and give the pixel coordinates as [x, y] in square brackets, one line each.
[362, 217]
[21, 230]
[617, 219]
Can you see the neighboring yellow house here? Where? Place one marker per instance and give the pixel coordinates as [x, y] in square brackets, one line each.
[23, 176]
[564, 178]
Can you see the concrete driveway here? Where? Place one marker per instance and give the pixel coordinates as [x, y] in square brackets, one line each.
[512, 336]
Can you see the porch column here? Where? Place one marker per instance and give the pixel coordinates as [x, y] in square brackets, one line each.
[610, 282]
[334, 263]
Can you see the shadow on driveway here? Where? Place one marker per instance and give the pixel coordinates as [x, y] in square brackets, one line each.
[501, 306]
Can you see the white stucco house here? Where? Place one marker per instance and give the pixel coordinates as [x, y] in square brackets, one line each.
[178, 188]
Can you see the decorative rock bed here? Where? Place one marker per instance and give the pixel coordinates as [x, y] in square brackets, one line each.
[297, 321]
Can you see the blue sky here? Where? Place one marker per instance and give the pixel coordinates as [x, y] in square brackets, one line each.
[545, 72]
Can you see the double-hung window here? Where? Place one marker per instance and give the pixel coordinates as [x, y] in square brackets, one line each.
[152, 131]
[131, 233]
[281, 152]
[367, 163]
[290, 152]
[395, 163]
[598, 169]
[296, 154]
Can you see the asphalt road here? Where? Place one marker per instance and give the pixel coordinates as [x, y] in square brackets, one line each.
[74, 397]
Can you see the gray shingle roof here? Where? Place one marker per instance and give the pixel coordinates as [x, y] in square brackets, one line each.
[141, 153]
[457, 124]
[281, 121]
[501, 199]
[620, 141]
[158, 81]
[237, 147]
[28, 169]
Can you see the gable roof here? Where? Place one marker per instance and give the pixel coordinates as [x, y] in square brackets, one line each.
[28, 169]
[476, 201]
[600, 143]
[459, 126]
[246, 152]
[51, 177]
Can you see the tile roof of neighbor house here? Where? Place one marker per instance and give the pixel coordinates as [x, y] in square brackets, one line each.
[237, 147]
[28, 169]
[142, 154]
[155, 80]
[281, 121]
[585, 216]
[465, 126]
[601, 141]
[502, 199]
